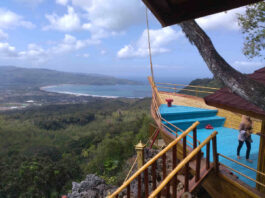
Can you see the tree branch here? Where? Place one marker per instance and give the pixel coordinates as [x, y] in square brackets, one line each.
[239, 83]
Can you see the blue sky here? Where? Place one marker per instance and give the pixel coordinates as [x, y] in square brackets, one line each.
[109, 37]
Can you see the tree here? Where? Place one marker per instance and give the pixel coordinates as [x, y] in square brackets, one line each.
[253, 26]
[239, 83]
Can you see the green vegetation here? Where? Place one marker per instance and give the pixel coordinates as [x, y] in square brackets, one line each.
[22, 78]
[205, 82]
[44, 149]
[252, 23]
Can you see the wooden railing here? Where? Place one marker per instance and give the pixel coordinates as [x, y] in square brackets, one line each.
[156, 102]
[187, 88]
[189, 186]
[153, 164]
[240, 173]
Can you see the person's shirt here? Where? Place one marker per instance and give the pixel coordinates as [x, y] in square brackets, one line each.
[242, 135]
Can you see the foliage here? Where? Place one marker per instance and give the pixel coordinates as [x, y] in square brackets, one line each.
[41, 160]
[205, 82]
[253, 26]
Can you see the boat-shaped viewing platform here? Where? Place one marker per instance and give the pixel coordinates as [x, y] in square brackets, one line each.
[187, 109]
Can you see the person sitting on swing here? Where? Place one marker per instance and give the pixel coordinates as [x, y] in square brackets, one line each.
[245, 130]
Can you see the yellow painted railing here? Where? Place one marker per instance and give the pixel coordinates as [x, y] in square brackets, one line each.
[156, 102]
[154, 159]
[254, 170]
[188, 88]
[155, 91]
[181, 165]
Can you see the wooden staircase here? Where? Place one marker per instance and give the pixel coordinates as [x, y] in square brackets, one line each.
[189, 170]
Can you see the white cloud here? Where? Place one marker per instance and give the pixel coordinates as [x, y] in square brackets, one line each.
[224, 20]
[70, 43]
[3, 35]
[248, 63]
[7, 50]
[62, 2]
[37, 54]
[67, 22]
[105, 17]
[9, 19]
[158, 38]
[248, 66]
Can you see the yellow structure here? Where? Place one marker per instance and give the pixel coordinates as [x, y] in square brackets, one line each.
[140, 154]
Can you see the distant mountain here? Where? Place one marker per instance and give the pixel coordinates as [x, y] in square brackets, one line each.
[16, 78]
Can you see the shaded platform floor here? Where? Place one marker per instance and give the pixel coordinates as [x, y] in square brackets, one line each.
[227, 142]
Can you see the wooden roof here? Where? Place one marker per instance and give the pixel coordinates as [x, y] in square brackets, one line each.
[170, 12]
[226, 99]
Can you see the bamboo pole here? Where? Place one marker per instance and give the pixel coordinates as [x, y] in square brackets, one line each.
[192, 90]
[145, 166]
[257, 182]
[177, 128]
[181, 165]
[242, 164]
[203, 87]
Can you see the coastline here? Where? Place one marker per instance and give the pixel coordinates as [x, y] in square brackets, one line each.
[44, 88]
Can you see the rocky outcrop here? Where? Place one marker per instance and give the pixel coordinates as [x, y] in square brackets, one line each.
[92, 187]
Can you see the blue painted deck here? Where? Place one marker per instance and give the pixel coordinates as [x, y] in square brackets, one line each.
[227, 139]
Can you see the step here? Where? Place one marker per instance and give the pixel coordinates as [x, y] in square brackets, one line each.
[183, 124]
[184, 112]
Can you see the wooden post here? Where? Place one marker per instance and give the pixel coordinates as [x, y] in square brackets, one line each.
[198, 166]
[146, 190]
[154, 175]
[215, 155]
[195, 138]
[128, 191]
[139, 193]
[186, 169]
[164, 166]
[208, 156]
[140, 154]
[261, 160]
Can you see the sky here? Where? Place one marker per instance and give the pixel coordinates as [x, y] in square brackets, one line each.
[110, 37]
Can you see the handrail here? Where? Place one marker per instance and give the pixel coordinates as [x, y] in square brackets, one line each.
[157, 108]
[161, 118]
[191, 90]
[243, 175]
[228, 158]
[176, 133]
[154, 89]
[151, 161]
[178, 128]
[242, 164]
[134, 163]
[181, 165]
[203, 87]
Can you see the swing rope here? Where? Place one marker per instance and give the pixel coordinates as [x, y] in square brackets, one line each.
[149, 44]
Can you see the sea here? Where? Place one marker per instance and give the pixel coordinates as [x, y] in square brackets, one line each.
[111, 91]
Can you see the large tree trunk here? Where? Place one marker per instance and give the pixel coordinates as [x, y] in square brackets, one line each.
[240, 84]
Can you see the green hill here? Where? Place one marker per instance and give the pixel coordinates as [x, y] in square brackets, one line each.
[24, 78]
[205, 82]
